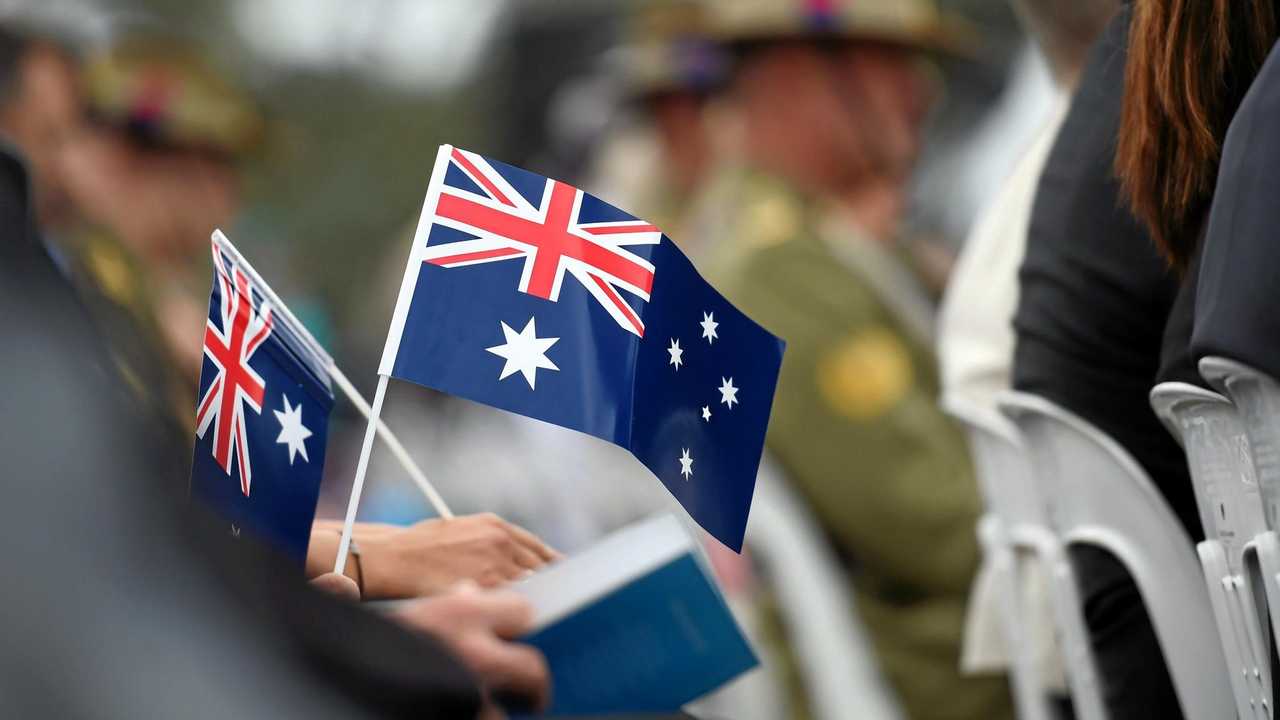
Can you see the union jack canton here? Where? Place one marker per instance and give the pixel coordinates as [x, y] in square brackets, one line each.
[229, 343]
[550, 238]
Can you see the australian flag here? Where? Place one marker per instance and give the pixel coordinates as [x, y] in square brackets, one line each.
[530, 295]
[263, 411]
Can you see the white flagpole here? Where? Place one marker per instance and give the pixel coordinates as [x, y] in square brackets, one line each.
[389, 352]
[358, 486]
[397, 449]
[393, 443]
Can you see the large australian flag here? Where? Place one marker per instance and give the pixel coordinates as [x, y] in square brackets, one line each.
[533, 296]
[263, 412]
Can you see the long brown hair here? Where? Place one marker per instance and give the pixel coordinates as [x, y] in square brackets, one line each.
[1190, 63]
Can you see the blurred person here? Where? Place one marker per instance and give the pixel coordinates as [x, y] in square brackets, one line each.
[153, 175]
[42, 115]
[654, 164]
[1097, 298]
[801, 225]
[40, 109]
[141, 609]
[975, 322]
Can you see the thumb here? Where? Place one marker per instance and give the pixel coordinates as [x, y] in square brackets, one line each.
[339, 585]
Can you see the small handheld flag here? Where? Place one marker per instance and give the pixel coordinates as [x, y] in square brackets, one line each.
[339, 378]
[263, 413]
[530, 295]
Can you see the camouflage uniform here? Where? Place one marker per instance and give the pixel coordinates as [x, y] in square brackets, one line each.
[855, 423]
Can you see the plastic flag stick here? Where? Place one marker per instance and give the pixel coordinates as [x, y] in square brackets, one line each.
[357, 487]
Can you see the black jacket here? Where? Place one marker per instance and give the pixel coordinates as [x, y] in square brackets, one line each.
[1094, 293]
[1237, 311]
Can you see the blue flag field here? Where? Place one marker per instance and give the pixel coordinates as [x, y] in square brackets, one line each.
[262, 416]
[527, 294]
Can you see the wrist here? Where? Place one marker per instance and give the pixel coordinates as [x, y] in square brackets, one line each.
[322, 553]
[378, 578]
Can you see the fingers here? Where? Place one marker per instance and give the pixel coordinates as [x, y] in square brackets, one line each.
[478, 624]
[512, 669]
[340, 585]
[510, 615]
[521, 546]
[525, 559]
[530, 541]
[525, 538]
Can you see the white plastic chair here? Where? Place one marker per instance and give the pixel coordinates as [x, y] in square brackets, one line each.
[1256, 396]
[1015, 535]
[813, 591]
[1098, 495]
[1213, 436]
[1257, 399]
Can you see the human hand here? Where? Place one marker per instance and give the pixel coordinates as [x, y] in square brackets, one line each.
[335, 584]
[478, 625]
[430, 556]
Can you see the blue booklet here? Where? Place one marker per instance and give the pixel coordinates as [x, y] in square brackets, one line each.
[635, 624]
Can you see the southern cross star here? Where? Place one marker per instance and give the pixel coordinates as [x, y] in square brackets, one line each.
[686, 463]
[709, 326]
[706, 413]
[676, 353]
[728, 393]
[292, 432]
[524, 352]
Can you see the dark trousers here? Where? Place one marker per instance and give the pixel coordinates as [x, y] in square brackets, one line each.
[1134, 680]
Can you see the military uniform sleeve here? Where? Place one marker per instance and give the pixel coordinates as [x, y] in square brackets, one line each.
[856, 425]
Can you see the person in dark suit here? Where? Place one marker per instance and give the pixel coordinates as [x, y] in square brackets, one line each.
[1094, 296]
[1238, 284]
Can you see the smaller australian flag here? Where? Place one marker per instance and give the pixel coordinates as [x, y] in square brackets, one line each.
[263, 412]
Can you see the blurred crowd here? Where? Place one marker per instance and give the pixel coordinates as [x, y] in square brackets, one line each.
[928, 213]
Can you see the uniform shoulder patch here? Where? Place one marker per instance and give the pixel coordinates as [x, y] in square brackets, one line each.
[111, 271]
[771, 219]
[866, 374]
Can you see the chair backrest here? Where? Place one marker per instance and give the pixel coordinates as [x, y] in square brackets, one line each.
[1257, 399]
[1213, 436]
[815, 599]
[1256, 396]
[1098, 495]
[1012, 531]
[1003, 468]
